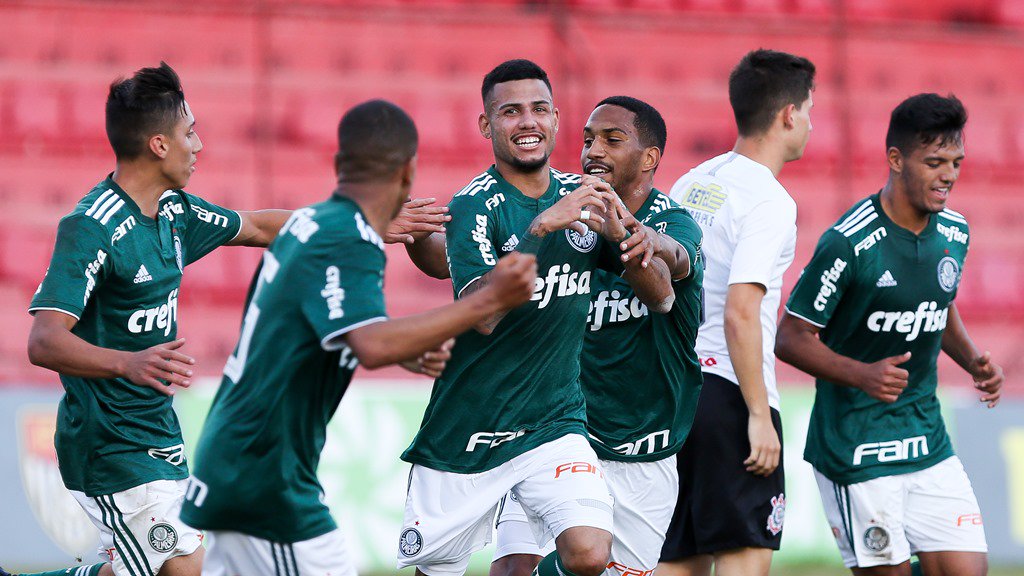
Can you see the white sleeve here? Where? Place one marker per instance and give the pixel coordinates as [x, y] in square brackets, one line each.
[761, 237]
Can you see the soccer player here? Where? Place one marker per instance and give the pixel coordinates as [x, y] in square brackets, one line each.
[508, 411]
[731, 488]
[106, 320]
[636, 425]
[867, 319]
[316, 312]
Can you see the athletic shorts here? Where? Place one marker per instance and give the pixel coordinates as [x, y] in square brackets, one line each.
[643, 492]
[721, 506]
[448, 516]
[139, 527]
[881, 522]
[232, 553]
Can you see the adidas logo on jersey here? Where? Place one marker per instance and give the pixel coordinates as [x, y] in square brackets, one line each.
[886, 281]
[510, 244]
[142, 275]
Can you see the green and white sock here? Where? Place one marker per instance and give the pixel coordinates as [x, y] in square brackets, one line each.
[551, 565]
[93, 570]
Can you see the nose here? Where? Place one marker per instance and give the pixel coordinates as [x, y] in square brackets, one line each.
[595, 150]
[198, 145]
[527, 119]
[950, 174]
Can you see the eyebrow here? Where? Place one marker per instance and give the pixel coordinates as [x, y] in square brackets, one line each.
[534, 103]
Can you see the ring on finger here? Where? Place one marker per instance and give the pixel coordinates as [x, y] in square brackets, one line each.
[584, 214]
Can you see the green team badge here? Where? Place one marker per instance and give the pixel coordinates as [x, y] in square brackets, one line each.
[876, 538]
[163, 538]
[949, 273]
[411, 542]
[581, 242]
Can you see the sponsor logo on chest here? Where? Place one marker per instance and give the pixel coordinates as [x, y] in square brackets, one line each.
[618, 309]
[560, 281]
[927, 318]
[870, 240]
[891, 450]
[951, 233]
[122, 229]
[162, 317]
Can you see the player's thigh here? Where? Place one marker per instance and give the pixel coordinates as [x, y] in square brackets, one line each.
[515, 538]
[942, 513]
[233, 553]
[953, 563]
[867, 520]
[643, 492]
[448, 516]
[189, 565]
[902, 569]
[141, 526]
[699, 565]
[743, 562]
[564, 487]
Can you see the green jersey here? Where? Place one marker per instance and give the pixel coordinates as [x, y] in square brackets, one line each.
[877, 290]
[640, 373]
[504, 394]
[256, 460]
[117, 272]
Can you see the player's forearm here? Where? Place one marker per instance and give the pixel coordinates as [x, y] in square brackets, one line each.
[487, 324]
[428, 254]
[63, 352]
[673, 254]
[260, 227]
[803, 350]
[652, 285]
[956, 343]
[744, 342]
[407, 338]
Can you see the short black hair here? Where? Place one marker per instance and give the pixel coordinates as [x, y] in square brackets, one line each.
[148, 103]
[924, 118]
[649, 124]
[375, 139]
[764, 82]
[518, 69]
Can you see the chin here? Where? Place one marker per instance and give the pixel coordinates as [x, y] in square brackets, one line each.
[530, 164]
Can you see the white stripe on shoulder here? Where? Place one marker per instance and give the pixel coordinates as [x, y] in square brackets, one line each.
[166, 194]
[854, 215]
[98, 202]
[113, 210]
[566, 177]
[954, 216]
[861, 225]
[481, 183]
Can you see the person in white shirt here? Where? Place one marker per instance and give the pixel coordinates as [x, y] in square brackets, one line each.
[732, 498]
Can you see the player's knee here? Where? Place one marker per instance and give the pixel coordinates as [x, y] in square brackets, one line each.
[588, 557]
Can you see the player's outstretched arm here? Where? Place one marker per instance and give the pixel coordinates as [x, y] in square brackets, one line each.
[420, 227]
[797, 343]
[260, 227]
[51, 345]
[744, 342]
[407, 338]
[428, 254]
[957, 344]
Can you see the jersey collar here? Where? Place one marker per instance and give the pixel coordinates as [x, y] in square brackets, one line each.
[929, 228]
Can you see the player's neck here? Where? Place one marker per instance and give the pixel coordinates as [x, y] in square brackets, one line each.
[533, 184]
[896, 206]
[375, 201]
[635, 195]
[762, 149]
[142, 185]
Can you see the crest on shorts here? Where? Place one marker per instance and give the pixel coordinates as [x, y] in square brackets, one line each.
[778, 514]
[949, 273]
[876, 538]
[56, 510]
[581, 242]
[411, 542]
[163, 538]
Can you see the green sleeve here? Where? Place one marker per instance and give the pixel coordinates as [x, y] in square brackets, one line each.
[824, 280]
[342, 288]
[470, 238]
[80, 263]
[209, 227]
[677, 224]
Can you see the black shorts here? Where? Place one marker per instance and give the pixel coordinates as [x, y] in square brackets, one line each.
[721, 506]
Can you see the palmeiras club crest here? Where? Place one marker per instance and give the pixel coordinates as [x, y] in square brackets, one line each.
[58, 513]
[949, 273]
[581, 242]
[778, 514]
[411, 542]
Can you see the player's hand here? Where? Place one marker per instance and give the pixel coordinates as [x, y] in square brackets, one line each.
[988, 377]
[639, 247]
[576, 210]
[885, 380]
[765, 447]
[511, 282]
[417, 219]
[160, 367]
[431, 363]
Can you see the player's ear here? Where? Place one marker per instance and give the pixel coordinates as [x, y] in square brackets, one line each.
[485, 126]
[337, 164]
[158, 145]
[895, 158]
[554, 112]
[408, 173]
[788, 114]
[651, 159]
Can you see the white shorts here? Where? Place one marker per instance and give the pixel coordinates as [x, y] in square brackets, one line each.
[883, 521]
[231, 553]
[644, 494]
[448, 516]
[140, 528]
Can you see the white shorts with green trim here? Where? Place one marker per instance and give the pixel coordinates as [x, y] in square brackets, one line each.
[448, 516]
[139, 527]
[881, 522]
[232, 553]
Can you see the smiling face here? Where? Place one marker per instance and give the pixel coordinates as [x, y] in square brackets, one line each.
[521, 122]
[611, 147]
[183, 146]
[929, 172]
